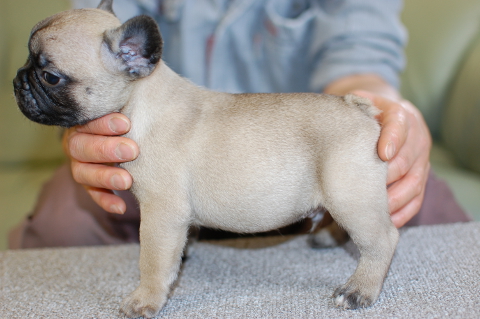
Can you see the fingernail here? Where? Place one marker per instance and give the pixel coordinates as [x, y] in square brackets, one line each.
[390, 150]
[125, 152]
[118, 182]
[118, 125]
[116, 210]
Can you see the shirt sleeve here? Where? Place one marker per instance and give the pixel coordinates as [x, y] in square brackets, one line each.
[357, 37]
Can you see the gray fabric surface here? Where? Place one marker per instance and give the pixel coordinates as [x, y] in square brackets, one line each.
[435, 274]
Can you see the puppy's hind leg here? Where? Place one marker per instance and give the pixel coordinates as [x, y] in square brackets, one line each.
[363, 212]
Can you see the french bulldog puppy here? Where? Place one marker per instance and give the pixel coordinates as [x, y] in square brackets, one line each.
[237, 162]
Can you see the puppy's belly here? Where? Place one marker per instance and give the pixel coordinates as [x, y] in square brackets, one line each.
[255, 207]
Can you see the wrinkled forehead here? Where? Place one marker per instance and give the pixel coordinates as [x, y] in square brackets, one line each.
[75, 29]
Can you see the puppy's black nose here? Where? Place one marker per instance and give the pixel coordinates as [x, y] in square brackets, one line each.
[21, 74]
[17, 84]
[20, 82]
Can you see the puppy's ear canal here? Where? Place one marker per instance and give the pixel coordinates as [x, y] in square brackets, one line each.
[136, 46]
[106, 5]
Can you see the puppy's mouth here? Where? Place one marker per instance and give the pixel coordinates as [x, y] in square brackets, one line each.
[37, 104]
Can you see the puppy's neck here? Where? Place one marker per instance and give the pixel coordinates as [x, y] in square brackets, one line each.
[164, 88]
[163, 96]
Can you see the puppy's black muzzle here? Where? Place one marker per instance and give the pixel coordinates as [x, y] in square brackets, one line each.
[38, 104]
[33, 102]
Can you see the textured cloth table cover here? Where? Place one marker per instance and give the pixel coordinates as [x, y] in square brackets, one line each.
[435, 274]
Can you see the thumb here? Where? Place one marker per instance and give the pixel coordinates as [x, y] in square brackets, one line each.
[393, 120]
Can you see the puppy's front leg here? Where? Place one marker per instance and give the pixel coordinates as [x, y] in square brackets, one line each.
[163, 234]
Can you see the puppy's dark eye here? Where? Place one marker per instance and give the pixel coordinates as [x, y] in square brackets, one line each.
[50, 78]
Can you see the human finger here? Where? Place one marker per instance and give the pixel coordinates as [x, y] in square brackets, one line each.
[414, 152]
[407, 188]
[393, 120]
[110, 124]
[107, 200]
[91, 148]
[406, 213]
[101, 176]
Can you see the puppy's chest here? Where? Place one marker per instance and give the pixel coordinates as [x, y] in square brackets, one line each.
[159, 157]
[140, 126]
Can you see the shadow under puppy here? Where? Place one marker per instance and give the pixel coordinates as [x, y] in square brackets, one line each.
[238, 162]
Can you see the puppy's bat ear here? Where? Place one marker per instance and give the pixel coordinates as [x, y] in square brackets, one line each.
[106, 5]
[135, 47]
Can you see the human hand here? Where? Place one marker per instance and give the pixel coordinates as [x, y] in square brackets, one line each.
[405, 142]
[92, 149]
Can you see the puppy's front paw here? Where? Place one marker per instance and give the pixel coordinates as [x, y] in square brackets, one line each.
[143, 302]
[351, 297]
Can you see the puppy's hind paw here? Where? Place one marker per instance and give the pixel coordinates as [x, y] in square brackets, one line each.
[351, 299]
[328, 237]
[142, 303]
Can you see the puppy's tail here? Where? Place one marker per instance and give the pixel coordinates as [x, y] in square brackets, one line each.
[363, 104]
